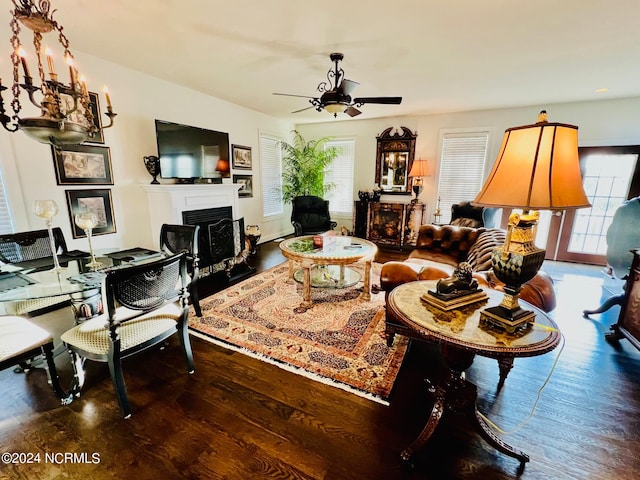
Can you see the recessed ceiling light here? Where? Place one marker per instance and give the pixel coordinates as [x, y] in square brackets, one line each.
[601, 90]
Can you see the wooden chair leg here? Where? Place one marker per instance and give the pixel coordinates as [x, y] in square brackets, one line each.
[195, 299]
[117, 377]
[52, 375]
[78, 373]
[183, 333]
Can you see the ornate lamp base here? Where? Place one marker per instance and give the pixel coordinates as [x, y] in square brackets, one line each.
[515, 263]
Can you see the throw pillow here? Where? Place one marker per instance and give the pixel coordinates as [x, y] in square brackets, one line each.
[479, 255]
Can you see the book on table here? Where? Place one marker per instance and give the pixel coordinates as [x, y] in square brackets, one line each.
[450, 302]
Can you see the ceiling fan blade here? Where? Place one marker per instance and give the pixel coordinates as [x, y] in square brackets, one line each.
[382, 100]
[352, 111]
[348, 86]
[291, 95]
[303, 109]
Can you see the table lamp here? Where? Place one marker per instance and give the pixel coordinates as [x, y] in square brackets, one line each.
[537, 169]
[419, 169]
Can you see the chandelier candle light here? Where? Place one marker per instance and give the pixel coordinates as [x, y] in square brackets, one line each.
[537, 169]
[66, 116]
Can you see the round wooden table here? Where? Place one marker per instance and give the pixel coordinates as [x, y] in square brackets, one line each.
[462, 336]
[345, 251]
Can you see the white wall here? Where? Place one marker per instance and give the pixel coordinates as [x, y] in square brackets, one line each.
[138, 99]
[603, 122]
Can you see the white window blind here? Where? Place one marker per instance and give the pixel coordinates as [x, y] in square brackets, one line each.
[271, 175]
[462, 161]
[340, 173]
[6, 222]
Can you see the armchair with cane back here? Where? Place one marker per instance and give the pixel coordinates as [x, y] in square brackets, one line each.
[145, 305]
[184, 238]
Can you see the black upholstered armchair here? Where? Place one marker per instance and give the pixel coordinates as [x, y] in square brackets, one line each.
[466, 215]
[310, 215]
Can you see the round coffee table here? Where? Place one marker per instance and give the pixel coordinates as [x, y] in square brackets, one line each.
[462, 336]
[341, 252]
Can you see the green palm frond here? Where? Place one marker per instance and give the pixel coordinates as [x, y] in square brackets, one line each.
[304, 163]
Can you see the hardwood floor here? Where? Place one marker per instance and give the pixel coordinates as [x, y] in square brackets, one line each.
[240, 418]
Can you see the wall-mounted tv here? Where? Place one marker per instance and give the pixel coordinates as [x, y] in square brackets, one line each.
[189, 153]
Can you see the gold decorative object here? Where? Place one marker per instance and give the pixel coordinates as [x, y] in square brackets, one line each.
[66, 116]
[537, 168]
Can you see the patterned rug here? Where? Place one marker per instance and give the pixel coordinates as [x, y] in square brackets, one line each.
[339, 340]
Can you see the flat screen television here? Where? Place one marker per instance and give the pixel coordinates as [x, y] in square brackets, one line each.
[189, 153]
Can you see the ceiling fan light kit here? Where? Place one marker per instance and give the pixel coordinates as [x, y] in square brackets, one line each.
[336, 93]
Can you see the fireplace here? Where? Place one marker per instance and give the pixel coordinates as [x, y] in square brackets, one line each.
[168, 202]
[216, 240]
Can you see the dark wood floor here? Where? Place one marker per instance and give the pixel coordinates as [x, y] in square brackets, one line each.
[239, 418]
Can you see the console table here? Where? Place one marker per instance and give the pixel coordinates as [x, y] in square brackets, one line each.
[462, 337]
[388, 223]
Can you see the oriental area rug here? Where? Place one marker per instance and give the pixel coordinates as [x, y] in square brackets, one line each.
[339, 341]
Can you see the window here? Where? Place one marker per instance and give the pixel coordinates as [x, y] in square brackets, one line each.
[6, 223]
[462, 160]
[271, 175]
[340, 173]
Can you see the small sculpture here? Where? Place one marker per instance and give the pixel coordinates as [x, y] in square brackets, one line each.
[153, 167]
[459, 282]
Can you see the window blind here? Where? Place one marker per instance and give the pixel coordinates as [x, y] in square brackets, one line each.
[462, 160]
[271, 175]
[340, 173]
[6, 222]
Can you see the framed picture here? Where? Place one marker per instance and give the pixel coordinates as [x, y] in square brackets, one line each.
[241, 157]
[246, 190]
[82, 164]
[96, 201]
[78, 115]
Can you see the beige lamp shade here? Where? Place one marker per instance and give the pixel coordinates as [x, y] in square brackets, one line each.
[419, 168]
[537, 169]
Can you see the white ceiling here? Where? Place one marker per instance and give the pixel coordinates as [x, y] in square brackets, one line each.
[445, 56]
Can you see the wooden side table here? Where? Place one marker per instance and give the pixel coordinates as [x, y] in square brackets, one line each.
[462, 337]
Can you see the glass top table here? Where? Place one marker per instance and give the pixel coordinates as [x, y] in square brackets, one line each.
[327, 266]
[39, 279]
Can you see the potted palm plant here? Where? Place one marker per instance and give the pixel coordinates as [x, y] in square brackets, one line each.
[303, 167]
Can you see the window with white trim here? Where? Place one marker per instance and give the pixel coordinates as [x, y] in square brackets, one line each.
[340, 173]
[462, 160]
[271, 175]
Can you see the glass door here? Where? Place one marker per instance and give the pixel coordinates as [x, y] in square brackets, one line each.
[609, 177]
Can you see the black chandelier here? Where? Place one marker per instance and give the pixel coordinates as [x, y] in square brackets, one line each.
[66, 111]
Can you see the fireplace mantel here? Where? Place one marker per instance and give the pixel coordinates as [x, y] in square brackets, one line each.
[167, 202]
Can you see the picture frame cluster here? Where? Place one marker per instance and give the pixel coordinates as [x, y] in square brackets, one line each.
[241, 159]
[87, 164]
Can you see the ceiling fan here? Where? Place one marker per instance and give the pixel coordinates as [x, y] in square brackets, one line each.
[336, 93]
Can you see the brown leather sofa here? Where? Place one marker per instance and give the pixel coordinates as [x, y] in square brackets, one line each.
[438, 251]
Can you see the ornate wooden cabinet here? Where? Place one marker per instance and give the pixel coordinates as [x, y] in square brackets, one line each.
[628, 325]
[394, 224]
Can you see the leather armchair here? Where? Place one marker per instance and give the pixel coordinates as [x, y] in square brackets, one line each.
[467, 215]
[310, 215]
